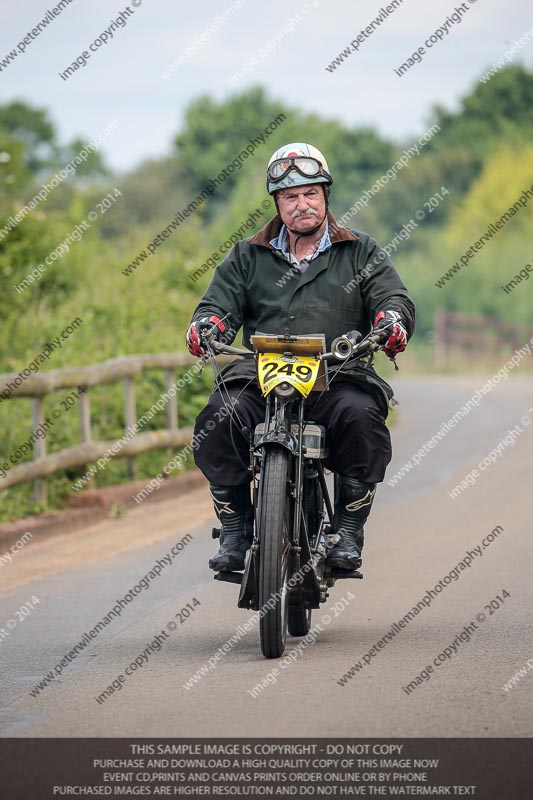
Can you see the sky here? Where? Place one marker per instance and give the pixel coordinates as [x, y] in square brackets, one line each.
[293, 42]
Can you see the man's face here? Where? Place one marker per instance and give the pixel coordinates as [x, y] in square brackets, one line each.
[302, 207]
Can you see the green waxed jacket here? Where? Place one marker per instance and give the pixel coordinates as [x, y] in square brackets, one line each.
[260, 290]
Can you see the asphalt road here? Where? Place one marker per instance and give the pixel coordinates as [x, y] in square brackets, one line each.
[416, 536]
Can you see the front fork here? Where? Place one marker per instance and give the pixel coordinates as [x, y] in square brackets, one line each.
[298, 492]
[277, 419]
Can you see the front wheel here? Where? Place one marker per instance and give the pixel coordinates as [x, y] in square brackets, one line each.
[274, 552]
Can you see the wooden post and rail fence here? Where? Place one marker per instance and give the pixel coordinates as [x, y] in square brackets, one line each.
[453, 332]
[37, 386]
[482, 338]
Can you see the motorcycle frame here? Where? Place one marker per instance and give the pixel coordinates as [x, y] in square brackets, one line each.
[309, 590]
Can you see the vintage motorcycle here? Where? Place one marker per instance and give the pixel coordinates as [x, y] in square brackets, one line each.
[286, 574]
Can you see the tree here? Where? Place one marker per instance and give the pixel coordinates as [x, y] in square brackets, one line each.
[215, 134]
[501, 108]
[93, 167]
[14, 175]
[32, 127]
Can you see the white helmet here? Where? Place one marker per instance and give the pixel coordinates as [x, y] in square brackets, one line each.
[296, 164]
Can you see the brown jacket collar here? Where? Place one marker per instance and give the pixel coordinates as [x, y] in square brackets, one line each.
[269, 231]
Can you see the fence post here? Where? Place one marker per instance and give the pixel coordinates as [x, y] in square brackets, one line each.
[440, 350]
[172, 400]
[130, 417]
[39, 448]
[85, 423]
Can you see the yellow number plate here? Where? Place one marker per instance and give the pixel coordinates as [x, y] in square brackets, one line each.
[299, 371]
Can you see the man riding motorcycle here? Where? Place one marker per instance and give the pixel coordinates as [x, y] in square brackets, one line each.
[304, 272]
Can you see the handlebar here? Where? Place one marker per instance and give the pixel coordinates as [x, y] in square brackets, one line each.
[342, 347]
[226, 349]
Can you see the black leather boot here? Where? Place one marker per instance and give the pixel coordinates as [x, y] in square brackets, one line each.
[233, 507]
[351, 512]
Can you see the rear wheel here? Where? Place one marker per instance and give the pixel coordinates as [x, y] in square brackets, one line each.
[300, 618]
[299, 621]
[274, 535]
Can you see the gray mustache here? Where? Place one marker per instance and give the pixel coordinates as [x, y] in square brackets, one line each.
[309, 213]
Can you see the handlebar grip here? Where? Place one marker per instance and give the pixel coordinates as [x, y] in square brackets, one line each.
[381, 335]
[225, 349]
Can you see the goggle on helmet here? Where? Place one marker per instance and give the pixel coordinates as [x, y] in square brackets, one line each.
[296, 164]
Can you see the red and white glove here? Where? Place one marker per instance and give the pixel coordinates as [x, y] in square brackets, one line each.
[392, 322]
[194, 334]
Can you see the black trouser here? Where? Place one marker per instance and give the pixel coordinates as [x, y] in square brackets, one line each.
[357, 438]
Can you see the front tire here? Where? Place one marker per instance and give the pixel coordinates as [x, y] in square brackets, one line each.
[274, 549]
